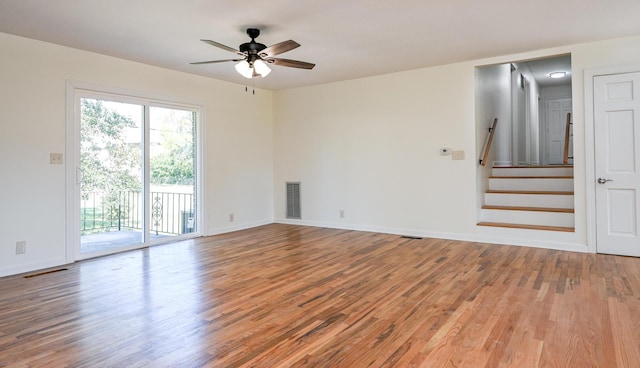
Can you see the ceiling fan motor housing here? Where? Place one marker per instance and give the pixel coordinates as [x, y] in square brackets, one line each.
[253, 48]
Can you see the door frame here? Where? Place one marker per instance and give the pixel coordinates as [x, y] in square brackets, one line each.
[72, 201]
[590, 154]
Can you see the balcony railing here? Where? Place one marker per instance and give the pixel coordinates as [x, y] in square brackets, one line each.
[171, 213]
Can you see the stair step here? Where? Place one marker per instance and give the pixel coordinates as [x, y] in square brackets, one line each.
[529, 198]
[528, 215]
[533, 183]
[535, 209]
[544, 192]
[566, 166]
[529, 227]
[532, 177]
[565, 170]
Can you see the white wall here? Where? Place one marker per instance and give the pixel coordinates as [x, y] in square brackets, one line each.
[370, 147]
[525, 135]
[238, 142]
[563, 91]
[493, 100]
[535, 123]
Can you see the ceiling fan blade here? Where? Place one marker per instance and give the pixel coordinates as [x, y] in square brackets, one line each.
[224, 47]
[290, 63]
[214, 61]
[279, 48]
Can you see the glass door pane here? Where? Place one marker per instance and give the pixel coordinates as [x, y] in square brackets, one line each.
[111, 205]
[172, 163]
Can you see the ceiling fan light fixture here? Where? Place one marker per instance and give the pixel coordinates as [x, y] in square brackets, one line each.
[251, 64]
[557, 75]
[261, 68]
[244, 69]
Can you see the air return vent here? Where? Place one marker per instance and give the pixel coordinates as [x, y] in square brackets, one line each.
[293, 200]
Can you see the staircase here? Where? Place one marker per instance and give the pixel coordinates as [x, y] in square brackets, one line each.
[532, 197]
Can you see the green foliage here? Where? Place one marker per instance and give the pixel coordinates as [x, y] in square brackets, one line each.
[173, 155]
[109, 163]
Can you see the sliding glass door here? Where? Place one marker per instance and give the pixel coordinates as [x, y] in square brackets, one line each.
[172, 157]
[111, 175]
[136, 174]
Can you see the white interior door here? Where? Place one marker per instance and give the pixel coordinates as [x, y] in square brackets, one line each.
[617, 163]
[557, 110]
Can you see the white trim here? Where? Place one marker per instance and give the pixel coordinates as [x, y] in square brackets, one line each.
[244, 226]
[515, 237]
[32, 266]
[71, 201]
[167, 101]
[589, 133]
[76, 88]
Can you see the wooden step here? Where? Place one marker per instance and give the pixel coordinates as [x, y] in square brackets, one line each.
[541, 216]
[534, 167]
[528, 227]
[532, 170]
[535, 209]
[549, 192]
[531, 177]
[529, 198]
[532, 183]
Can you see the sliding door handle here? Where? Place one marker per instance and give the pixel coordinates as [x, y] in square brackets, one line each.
[79, 176]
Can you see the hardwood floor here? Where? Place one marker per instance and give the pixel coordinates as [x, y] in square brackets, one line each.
[289, 296]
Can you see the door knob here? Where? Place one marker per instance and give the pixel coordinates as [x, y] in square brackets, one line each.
[602, 180]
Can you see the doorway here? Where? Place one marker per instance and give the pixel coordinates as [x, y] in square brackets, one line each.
[134, 169]
[518, 94]
[556, 137]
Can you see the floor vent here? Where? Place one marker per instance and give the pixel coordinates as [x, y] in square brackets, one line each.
[293, 200]
[44, 273]
[411, 237]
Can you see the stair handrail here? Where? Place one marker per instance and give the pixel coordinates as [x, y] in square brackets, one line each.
[487, 143]
[567, 136]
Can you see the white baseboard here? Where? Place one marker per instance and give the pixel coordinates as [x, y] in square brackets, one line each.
[33, 266]
[237, 227]
[503, 236]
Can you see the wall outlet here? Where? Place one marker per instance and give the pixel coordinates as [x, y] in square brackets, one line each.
[231, 217]
[21, 247]
[55, 158]
[457, 155]
[341, 213]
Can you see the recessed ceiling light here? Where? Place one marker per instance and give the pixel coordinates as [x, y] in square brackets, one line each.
[556, 75]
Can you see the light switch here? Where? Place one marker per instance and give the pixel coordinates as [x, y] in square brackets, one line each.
[55, 158]
[457, 155]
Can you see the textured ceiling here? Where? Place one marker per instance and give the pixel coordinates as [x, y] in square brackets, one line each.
[347, 39]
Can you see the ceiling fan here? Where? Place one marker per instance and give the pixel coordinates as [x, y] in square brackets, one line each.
[255, 56]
